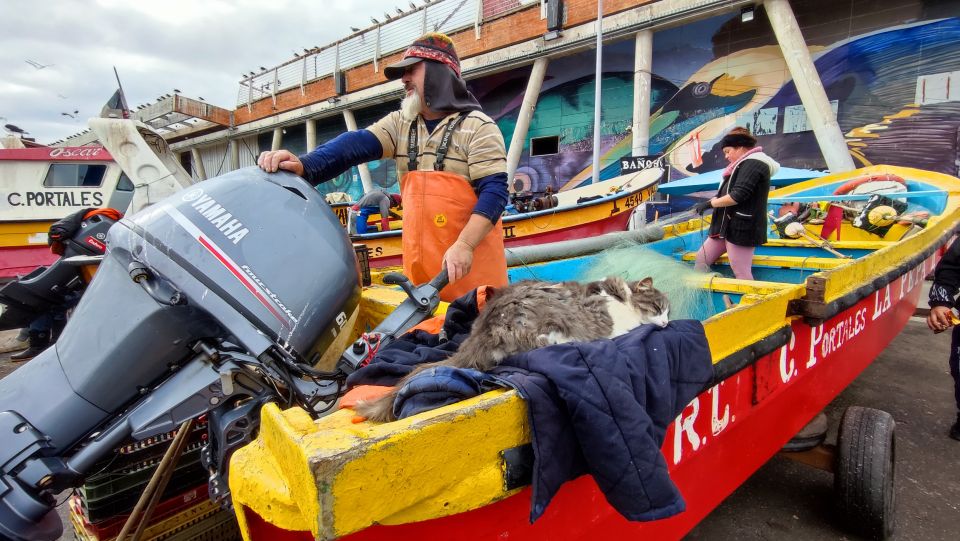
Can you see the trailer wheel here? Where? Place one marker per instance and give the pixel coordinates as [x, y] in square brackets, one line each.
[864, 472]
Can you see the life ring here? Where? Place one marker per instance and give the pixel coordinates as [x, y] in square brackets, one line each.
[848, 186]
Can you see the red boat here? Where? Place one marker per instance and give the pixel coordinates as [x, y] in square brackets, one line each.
[787, 344]
[589, 211]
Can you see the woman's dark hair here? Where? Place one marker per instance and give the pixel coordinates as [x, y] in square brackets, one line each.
[738, 137]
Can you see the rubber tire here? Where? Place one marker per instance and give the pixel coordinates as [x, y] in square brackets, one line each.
[864, 471]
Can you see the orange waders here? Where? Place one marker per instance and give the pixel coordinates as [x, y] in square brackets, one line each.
[436, 206]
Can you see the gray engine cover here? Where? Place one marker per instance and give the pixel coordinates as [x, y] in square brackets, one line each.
[268, 245]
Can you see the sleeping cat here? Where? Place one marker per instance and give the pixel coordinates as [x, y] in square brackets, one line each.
[527, 315]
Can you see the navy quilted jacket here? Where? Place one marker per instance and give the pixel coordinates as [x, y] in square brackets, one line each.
[599, 407]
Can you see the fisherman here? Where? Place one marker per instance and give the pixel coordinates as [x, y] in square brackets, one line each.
[943, 300]
[451, 160]
[371, 203]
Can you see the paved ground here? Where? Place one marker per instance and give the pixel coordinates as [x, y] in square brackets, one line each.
[787, 501]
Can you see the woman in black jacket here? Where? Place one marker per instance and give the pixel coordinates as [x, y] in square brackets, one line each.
[739, 224]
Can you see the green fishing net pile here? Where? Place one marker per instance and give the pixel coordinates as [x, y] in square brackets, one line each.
[634, 261]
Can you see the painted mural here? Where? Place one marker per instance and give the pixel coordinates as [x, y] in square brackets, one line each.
[891, 70]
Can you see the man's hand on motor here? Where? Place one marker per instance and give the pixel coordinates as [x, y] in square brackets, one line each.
[458, 260]
[940, 318]
[273, 160]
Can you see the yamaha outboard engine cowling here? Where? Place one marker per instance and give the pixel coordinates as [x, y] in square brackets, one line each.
[200, 300]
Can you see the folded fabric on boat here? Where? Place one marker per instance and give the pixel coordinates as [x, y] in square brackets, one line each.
[599, 407]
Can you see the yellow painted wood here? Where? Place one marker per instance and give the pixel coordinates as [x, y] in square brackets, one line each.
[332, 477]
[784, 261]
[749, 322]
[19, 234]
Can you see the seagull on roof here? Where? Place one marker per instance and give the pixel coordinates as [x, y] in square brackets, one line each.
[176, 91]
[354, 29]
[399, 11]
[263, 68]
[375, 21]
[413, 6]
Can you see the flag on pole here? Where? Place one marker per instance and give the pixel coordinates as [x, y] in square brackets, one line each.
[696, 150]
[115, 107]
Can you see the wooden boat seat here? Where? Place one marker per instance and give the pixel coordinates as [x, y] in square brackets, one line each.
[787, 262]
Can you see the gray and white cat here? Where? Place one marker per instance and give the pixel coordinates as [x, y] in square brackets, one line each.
[527, 315]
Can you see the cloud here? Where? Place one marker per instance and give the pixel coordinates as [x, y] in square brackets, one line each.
[199, 47]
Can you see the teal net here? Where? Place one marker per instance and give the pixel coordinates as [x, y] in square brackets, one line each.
[633, 261]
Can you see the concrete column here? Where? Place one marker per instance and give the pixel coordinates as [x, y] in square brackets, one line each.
[234, 154]
[807, 80]
[311, 134]
[642, 69]
[197, 162]
[277, 139]
[365, 177]
[527, 108]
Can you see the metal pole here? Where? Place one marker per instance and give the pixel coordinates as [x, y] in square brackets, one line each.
[596, 97]
[527, 108]
[198, 168]
[277, 139]
[832, 143]
[365, 178]
[642, 67]
[234, 154]
[311, 134]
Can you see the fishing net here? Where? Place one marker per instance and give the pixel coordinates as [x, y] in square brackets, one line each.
[677, 280]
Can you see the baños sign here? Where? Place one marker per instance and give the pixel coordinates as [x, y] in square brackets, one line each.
[635, 164]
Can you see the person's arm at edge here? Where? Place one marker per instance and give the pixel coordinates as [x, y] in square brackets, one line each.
[943, 291]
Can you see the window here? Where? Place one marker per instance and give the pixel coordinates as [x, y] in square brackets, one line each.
[543, 146]
[124, 184]
[74, 175]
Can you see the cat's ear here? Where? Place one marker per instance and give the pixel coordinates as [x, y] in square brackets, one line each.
[617, 288]
[594, 288]
[647, 282]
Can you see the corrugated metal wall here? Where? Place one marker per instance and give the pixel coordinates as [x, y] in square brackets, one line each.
[216, 158]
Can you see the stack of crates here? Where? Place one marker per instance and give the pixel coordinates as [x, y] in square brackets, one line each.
[100, 507]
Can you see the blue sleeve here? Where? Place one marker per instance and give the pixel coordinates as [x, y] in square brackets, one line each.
[339, 154]
[491, 196]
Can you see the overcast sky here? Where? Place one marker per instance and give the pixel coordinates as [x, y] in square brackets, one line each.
[197, 46]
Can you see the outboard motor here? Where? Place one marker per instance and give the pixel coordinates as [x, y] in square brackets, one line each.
[231, 293]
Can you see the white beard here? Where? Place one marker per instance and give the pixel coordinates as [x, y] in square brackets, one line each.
[410, 106]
